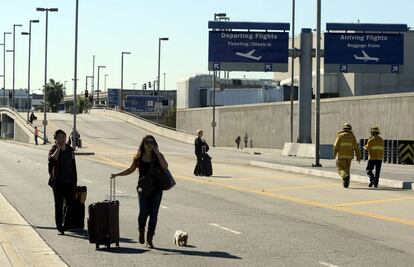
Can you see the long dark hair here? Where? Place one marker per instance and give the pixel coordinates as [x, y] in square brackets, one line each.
[141, 149]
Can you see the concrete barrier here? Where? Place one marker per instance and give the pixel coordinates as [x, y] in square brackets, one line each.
[176, 135]
[307, 150]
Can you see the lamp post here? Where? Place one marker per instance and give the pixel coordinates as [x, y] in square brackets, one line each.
[93, 77]
[47, 10]
[159, 69]
[28, 65]
[4, 65]
[122, 78]
[292, 77]
[164, 81]
[14, 59]
[105, 88]
[134, 84]
[99, 68]
[318, 84]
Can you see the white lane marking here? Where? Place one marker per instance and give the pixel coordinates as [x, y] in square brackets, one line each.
[327, 264]
[118, 191]
[87, 181]
[225, 228]
[163, 207]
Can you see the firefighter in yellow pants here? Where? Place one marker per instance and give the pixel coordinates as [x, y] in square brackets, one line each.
[344, 149]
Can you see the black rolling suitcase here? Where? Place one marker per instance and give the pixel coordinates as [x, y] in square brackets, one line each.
[75, 214]
[103, 220]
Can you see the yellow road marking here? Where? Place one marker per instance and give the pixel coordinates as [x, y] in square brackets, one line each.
[374, 201]
[299, 187]
[279, 197]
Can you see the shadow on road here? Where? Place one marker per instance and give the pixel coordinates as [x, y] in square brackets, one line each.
[380, 189]
[219, 176]
[211, 254]
[123, 250]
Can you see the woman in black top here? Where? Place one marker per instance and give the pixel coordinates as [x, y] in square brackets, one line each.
[147, 160]
[201, 149]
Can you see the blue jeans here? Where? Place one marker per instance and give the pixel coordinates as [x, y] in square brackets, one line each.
[149, 206]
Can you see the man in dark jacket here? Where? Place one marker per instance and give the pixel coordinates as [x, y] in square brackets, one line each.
[63, 176]
[203, 166]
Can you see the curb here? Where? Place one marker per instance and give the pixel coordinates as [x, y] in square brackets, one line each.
[329, 174]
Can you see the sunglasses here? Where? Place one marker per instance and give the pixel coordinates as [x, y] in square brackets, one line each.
[149, 142]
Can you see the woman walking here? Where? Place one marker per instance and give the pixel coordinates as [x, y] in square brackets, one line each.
[203, 166]
[147, 161]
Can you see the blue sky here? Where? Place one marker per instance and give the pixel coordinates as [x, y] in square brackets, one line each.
[108, 27]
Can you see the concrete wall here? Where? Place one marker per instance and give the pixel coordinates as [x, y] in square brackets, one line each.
[16, 125]
[269, 124]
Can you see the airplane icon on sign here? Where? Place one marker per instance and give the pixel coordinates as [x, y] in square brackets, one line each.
[249, 55]
[366, 57]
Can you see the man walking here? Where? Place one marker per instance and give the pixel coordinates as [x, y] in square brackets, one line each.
[246, 139]
[36, 134]
[344, 149]
[238, 139]
[375, 148]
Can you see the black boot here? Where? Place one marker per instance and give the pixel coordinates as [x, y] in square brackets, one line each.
[376, 182]
[141, 237]
[371, 182]
[345, 182]
[150, 235]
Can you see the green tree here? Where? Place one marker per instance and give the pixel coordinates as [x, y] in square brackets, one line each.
[54, 94]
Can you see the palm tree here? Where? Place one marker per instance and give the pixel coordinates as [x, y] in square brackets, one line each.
[54, 94]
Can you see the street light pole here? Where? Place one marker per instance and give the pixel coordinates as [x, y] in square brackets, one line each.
[4, 66]
[14, 58]
[75, 79]
[99, 68]
[28, 71]
[122, 78]
[318, 84]
[134, 84]
[45, 83]
[159, 69]
[105, 88]
[292, 77]
[93, 78]
[164, 81]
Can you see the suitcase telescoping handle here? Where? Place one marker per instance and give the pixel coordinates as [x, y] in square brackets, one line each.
[112, 189]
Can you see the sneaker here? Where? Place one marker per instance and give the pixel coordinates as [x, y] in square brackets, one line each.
[371, 183]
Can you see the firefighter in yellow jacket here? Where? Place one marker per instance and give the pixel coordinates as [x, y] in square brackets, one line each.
[375, 148]
[344, 149]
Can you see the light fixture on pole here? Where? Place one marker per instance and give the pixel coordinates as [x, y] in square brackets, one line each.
[158, 76]
[97, 98]
[28, 65]
[47, 10]
[4, 66]
[122, 78]
[14, 60]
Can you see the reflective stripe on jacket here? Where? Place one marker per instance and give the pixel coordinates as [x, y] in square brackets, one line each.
[375, 148]
[346, 146]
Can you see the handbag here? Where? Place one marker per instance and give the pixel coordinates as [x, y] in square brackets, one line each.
[165, 179]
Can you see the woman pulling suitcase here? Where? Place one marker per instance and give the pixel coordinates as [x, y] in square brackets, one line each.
[147, 160]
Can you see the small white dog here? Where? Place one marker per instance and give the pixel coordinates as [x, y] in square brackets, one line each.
[180, 238]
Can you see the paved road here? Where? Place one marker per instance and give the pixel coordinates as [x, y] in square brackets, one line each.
[242, 216]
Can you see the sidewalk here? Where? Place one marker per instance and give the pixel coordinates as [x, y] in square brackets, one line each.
[20, 244]
[392, 175]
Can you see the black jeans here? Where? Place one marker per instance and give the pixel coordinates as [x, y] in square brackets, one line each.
[149, 206]
[371, 165]
[62, 192]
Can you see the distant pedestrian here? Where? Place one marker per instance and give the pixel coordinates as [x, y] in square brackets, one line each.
[63, 176]
[246, 139]
[375, 148]
[344, 149]
[238, 140]
[36, 134]
[203, 166]
[32, 118]
[147, 160]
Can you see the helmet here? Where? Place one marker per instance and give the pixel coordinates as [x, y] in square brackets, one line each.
[375, 129]
[347, 126]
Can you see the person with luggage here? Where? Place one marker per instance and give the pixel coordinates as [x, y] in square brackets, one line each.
[147, 161]
[375, 148]
[344, 149]
[203, 166]
[63, 176]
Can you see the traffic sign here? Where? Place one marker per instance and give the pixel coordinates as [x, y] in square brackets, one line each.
[44, 122]
[343, 68]
[216, 66]
[248, 51]
[363, 52]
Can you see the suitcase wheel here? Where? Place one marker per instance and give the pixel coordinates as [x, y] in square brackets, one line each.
[117, 244]
[97, 247]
